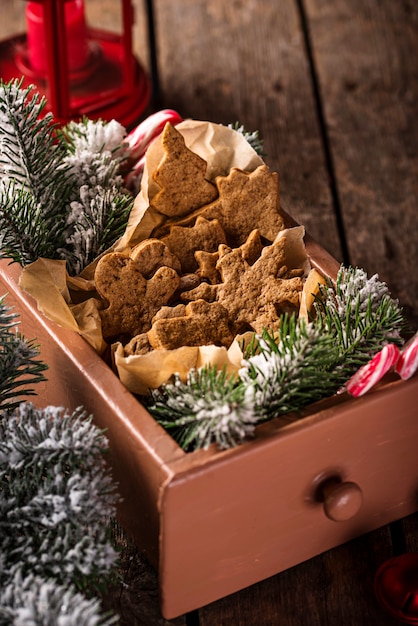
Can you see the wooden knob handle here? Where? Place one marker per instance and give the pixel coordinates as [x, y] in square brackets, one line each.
[341, 500]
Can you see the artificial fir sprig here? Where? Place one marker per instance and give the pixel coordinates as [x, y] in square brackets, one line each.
[253, 137]
[20, 367]
[29, 153]
[34, 186]
[94, 151]
[94, 224]
[285, 371]
[57, 496]
[360, 314]
[99, 203]
[61, 193]
[34, 601]
[291, 368]
[209, 406]
[19, 241]
[56, 500]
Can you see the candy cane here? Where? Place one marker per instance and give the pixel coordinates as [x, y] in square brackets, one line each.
[140, 137]
[136, 170]
[369, 374]
[407, 363]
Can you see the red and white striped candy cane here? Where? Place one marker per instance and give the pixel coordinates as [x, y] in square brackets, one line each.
[370, 374]
[407, 363]
[140, 137]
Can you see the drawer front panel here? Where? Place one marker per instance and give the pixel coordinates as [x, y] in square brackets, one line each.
[230, 524]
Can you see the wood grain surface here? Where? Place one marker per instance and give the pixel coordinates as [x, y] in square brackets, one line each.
[332, 87]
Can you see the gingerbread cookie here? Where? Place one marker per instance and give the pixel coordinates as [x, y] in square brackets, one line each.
[151, 254]
[183, 241]
[256, 295]
[204, 323]
[255, 285]
[132, 299]
[181, 177]
[207, 266]
[138, 345]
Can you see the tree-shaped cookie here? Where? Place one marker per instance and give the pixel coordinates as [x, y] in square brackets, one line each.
[181, 176]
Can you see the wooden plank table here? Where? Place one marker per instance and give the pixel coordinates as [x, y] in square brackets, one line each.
[333, 89]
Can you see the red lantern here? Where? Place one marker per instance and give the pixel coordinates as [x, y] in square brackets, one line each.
[80, 70]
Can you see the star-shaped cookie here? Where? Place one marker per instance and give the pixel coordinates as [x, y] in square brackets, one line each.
[256, 295]
[247, 200]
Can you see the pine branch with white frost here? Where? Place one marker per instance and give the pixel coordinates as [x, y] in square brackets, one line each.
[29, 153]
[56, 500]
[209, 407]
[61, 191]
[95, 222]
[94, 153]
[57, 496]
[360, 314]
[20, 367]
[292, 368]
[99, 205]
[34, 187]
[34, 601]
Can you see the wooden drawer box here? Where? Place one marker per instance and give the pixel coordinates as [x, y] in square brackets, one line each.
[213, 522]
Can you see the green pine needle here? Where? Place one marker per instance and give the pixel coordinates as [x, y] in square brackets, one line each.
[61, 192]
[291, 369]
[360, 314]
[18, 208]
[253, 138]
[209, 407]
[20, 367]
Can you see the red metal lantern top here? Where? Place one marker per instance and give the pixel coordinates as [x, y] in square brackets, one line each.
[80, 70]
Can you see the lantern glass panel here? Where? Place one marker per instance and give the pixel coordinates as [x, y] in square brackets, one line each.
[81, 54]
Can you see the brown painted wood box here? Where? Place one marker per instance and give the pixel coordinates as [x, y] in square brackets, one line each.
[213, 522]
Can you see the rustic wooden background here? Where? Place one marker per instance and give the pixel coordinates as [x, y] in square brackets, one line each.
[332, 86]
